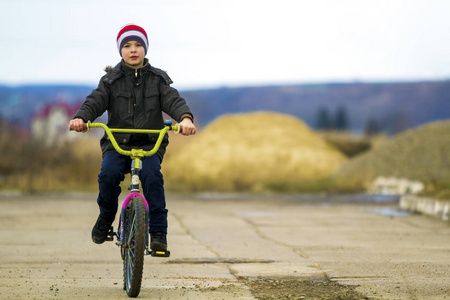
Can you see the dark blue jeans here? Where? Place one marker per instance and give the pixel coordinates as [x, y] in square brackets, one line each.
[114, 167]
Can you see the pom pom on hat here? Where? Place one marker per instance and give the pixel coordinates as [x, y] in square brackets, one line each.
[132, 32]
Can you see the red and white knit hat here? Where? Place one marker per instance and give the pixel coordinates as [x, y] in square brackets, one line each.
[132, 32]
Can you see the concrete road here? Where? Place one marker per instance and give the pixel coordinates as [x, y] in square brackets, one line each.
[218, 240]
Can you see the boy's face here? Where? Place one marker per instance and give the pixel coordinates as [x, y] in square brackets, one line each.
[133, 54]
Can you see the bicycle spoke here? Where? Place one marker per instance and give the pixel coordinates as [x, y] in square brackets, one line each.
[132, 232]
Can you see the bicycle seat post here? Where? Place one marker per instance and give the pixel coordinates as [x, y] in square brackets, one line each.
[136, 166]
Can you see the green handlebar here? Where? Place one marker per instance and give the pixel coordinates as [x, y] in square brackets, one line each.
[134, 152]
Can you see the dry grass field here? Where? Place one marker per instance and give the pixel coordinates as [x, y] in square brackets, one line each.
[30, 167]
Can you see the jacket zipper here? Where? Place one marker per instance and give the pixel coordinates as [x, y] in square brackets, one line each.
[129, 101]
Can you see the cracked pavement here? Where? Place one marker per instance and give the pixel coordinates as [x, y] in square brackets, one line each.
[216, 241]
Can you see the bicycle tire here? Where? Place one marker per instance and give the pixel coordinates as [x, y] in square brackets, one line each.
[133, 264]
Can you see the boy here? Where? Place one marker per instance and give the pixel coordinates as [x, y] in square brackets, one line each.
[135, 94]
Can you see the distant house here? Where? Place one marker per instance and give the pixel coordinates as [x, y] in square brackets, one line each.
[50, 125]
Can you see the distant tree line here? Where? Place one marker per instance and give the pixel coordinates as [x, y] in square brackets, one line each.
[339, 121]
[372, 126]
[328, 121]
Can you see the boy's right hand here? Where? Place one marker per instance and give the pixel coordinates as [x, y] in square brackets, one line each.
[77, 125]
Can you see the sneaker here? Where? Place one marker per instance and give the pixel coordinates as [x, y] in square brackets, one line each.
[101, 230]
[158, 241]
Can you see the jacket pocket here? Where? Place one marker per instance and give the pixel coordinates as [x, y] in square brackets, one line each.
[121, 138]
[125, 100]
[121, 109]
[152, 102]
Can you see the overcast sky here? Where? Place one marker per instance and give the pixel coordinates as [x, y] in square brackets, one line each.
[207, 43]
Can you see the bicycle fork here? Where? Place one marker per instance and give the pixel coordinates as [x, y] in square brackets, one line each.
[136, 166]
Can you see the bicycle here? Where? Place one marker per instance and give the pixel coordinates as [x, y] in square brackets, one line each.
[132, 233]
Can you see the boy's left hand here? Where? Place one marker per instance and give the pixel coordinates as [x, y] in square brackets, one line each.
[187, 127]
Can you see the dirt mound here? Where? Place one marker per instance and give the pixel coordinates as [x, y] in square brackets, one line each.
[251, 152]
[421, 154]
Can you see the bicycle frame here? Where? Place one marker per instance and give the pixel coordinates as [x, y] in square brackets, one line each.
[136, 155]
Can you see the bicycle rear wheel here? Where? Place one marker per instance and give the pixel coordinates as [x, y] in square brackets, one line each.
[133, 264]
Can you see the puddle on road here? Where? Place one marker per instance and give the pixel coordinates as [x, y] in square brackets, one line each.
[389, 212]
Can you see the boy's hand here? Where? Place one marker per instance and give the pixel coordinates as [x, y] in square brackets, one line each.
[187, 127]
[77, 125]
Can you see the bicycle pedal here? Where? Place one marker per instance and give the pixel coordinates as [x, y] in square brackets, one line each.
[159, 253]
[111, 234]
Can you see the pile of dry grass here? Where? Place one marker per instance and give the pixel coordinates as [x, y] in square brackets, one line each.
[250, 152]
[420, 154]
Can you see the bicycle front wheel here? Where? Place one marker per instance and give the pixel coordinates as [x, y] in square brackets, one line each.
[133, 264]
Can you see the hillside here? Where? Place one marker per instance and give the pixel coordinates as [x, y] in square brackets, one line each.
[20, 103]
[394, 106]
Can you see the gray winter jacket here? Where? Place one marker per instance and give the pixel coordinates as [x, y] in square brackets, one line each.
[134, 99]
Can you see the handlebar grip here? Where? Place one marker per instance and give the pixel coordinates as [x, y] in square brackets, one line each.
[85, 127]
[178, 128]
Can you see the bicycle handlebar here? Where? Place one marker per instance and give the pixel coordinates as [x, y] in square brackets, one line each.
[134, 152]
